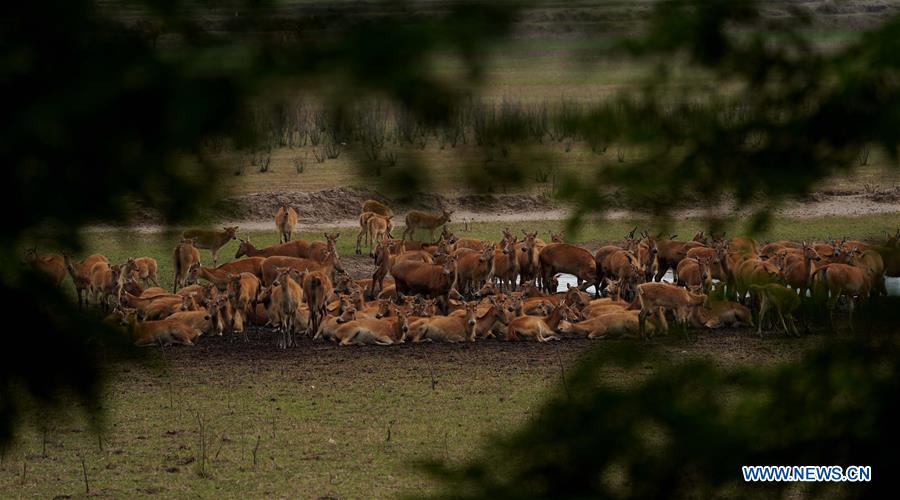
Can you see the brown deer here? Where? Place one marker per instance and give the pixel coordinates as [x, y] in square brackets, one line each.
[364, 234]
[416, 219]
[287, 295]
[473, 267]
[243, 290]
[81, 272]
[161, 333]
[141, 268]
[51, 265]
[317, 291]
[780, 299]
[378, 229]
[528, 252]
[619, 323]
[670, 252]
[797, 268]
[694, 273]
[656, 298]
[493, 317]
[428, 279]
[377, 207]
[722, 314]
[558, 258]
[446, 328]
[185, 258]
[538, 328]
[385, 258]
[219, 276]
[505, 266]
[106, 282]
[754, 271]
[385, 331]
[285, 222]
[211, 240]
[270, 264]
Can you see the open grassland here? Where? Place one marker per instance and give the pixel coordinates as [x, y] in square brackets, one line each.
[321, 421]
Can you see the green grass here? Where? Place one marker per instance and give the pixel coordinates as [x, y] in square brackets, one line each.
[338, 422]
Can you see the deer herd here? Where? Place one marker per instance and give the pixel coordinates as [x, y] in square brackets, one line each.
[464, 289]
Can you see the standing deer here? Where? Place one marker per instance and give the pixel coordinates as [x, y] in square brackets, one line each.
[211, 240]
[416, 219]
[185, 258]
[285, 222]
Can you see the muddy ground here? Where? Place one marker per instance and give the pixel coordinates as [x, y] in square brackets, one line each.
[726, 347]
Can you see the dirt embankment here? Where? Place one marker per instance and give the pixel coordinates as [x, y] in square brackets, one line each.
[339, 207]
[343, 203]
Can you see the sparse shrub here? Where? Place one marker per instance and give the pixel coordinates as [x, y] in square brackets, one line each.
[391, 158]
[333, 149]
[300, 165]
[863, 157]
[265, 163]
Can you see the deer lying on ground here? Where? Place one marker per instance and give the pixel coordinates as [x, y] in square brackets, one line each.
[613, 324]
[328, 330]
[160, 333]
[199, 320]
[211, 240]
[492, 318]
[51, 265]
[185, 258]
[538, 328]
[285, 222]
[416, 219]
[386, 331]
[722, 314]
[446, 328]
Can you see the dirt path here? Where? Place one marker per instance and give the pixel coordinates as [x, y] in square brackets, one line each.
[820, 205]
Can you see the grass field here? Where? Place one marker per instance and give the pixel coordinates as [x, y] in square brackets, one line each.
[322, 421]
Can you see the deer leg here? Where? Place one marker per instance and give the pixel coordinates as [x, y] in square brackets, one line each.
[762, 316]
[215, 256]
[850, 297]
